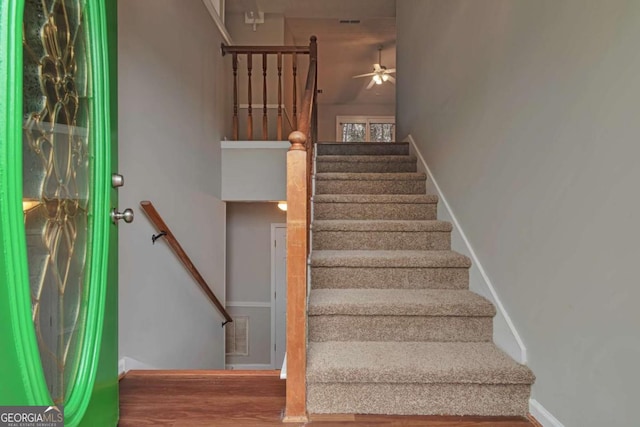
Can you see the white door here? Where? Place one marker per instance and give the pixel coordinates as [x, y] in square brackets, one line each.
[279, 274]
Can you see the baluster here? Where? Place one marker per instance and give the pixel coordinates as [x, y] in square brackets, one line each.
[249, 108]
[279, 124]
[235, 97]
[265, 133]
[295, 91]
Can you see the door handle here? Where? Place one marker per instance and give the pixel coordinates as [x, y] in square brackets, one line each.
[126, 215]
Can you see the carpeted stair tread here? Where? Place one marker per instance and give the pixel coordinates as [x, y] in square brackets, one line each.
[369, 148]
[366, 159]
[398, 302]
[368, 176]
[376, 198]
[413, 362]
[391, 258]
[381, 225]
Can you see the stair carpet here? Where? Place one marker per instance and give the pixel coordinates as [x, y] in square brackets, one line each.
[393, 327]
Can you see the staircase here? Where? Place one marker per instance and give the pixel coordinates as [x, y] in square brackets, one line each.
[393, 328]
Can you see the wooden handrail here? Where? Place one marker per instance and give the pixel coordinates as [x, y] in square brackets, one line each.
[264, 49]
[299, 172]
[161, 226]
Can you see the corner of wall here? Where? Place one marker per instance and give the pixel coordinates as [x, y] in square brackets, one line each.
[505, 334]
[126, 364]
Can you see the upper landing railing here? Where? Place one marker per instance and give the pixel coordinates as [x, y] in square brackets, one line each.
[285, 77]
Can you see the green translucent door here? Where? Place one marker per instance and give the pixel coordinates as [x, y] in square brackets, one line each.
[58, 260]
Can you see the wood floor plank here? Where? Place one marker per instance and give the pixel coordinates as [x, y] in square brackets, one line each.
[204, 398]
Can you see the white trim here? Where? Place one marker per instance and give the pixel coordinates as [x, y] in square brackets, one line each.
[254, 144]
[224, 280]
[273, 291]
[218, 21]
[252, 304]
[126, 364]
[512, 345]
[249, 366]
[543, 416]
[283, 370]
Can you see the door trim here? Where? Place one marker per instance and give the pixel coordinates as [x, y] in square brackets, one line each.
[272, 350]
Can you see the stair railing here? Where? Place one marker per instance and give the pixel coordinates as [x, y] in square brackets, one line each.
[163, 229]
[299, 186]
[264, 52]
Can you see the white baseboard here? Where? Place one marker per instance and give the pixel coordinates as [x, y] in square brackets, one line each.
[249, 367]
[543, 416]
[127, 364]
[248, 304]
[505, 334]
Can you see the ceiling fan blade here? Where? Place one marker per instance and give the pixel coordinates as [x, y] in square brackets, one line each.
[377, 68]
[390, 70]
[371, 83]
[391, 79]
[363, 75]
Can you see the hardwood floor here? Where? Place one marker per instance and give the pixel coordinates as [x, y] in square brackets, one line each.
[246, 398]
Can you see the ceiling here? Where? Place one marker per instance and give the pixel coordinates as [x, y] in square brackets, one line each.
[344, 50]
[336, 9]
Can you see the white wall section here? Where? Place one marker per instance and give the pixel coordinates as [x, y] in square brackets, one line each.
[527, 114]
[171, 84]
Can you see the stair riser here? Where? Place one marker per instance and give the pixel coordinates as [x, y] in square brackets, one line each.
[338, 186]
[362, 149]
[400, 328]
[389, 278]
[404, 211]
[382, 240]
[365, 167]
[418, 399]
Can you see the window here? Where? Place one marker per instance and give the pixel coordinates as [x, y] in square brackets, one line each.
[365, 128]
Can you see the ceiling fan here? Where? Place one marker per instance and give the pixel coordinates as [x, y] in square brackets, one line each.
[380, 73]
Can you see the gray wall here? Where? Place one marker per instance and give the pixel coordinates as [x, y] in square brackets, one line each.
[253, 173]
[171, 84]
[527, 113]
[249, 272]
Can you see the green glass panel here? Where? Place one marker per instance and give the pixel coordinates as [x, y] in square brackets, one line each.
[56, 182]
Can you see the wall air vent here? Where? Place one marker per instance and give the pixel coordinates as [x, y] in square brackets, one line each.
[349, 21]
[237, 336]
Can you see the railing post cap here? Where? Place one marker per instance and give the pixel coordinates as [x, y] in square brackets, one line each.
[313, 39]
[298, 140]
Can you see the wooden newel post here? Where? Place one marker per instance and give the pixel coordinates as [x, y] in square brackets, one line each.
[296, 410]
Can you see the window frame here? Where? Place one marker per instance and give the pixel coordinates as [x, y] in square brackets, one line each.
[367, 121]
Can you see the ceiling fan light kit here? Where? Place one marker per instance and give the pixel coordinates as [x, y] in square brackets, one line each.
[380, 73]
